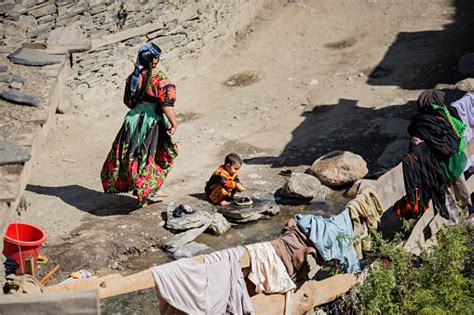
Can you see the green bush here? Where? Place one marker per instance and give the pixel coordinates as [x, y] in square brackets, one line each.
[438, 282]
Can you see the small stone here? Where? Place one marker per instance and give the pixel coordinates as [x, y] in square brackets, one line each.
[361, 75]
[20, 98]
[314, 82]
[4, 68]
[271, 208]
[31, 57]
[16, 85]
[466, 85]
[219, 224]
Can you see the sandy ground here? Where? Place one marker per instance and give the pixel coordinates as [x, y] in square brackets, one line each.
[328, 75]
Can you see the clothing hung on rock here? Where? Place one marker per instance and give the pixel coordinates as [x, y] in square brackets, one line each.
[333, 237]
[292, 246]
[142, 154]
[436, 131]
[365, 211]
[424, 181]
[268, 273]
[221, 186]
[216, 286]
[465, 109]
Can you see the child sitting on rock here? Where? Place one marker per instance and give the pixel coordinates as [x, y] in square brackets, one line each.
[224, 182]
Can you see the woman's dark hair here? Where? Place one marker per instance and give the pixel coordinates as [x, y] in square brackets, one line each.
[233, 158]
[146, 61]
[146, 57]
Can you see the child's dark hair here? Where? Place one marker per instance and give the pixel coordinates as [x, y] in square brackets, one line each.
[233, 158]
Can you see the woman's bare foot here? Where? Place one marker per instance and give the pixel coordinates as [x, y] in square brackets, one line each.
[144, 203]
[224, 203]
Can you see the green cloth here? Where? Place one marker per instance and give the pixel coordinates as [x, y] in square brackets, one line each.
[454, 166]
[147, 110]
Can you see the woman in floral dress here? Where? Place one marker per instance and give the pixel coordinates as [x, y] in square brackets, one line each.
[143, 151]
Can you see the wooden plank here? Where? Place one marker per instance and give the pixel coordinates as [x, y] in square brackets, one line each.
[82, 285]
[85, 302]
[117, 285]
[124, 35]
[311, 294]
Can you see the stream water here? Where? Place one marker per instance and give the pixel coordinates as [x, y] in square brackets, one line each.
[265, 229]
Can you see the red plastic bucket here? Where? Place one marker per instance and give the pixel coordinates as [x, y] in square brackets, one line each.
[21, 241]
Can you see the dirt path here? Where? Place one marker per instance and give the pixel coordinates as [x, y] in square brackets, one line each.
[304, 57]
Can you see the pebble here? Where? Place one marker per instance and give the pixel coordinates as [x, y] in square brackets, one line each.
[4, 68]
[16, 85]
[314, 82]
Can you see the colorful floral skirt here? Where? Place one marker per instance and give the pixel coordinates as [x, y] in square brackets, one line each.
[141, 155]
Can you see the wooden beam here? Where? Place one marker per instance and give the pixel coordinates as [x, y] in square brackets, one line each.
[86, 302]
[113, 285]
[311, 294]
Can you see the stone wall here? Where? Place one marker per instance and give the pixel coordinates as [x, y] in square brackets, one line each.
[112, 28]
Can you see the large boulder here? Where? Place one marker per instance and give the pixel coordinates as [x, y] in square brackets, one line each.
[466, 65]
[393, 153]
[466, 85]
[183, 238]
[339, 168]
[305, 186]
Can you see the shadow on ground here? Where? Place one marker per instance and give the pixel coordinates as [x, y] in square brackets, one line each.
[421, 60]
[342, 126]
[88, 200]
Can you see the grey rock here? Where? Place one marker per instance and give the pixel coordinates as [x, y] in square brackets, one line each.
[305, 186]
[12, 78]
[10, 153]
[32, 57]
[339, 168]
[182, 238]
[5, 7]
[466, 85]
[4, 68]
[270, 208]
[219, 224]
[466, 65]
[241, 215]
[187, 221]
[190, 249]
[20, 98]
[393, 153]
[67, 36]
[16, 85]
[46, 9]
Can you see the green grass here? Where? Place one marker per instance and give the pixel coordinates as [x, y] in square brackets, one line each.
[438, 282]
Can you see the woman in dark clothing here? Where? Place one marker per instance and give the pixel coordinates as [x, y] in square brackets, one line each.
[143, 151]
